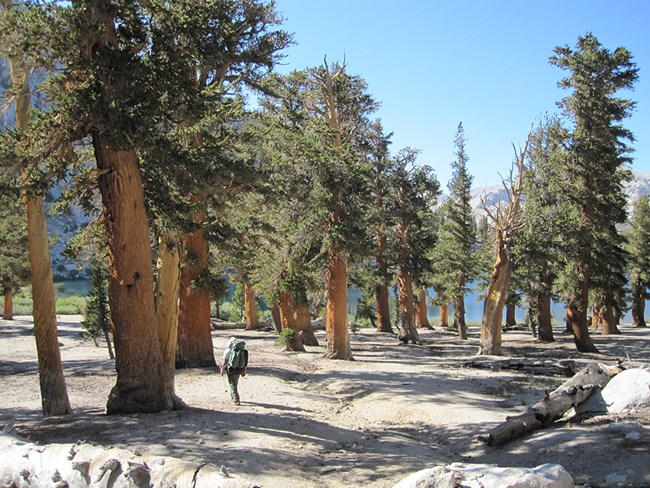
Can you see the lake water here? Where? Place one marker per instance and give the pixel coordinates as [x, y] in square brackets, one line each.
[473, 307]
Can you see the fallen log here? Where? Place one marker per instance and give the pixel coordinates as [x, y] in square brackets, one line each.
[546, 367]
[86, 465]
[571, 393]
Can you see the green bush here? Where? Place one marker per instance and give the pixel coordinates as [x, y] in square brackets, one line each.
[286, 337]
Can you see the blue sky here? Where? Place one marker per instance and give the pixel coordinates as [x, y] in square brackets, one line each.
[432, 64]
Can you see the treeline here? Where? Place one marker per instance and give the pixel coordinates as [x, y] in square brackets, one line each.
[168, 121]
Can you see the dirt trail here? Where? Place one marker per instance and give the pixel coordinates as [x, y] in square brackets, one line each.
[306, 421]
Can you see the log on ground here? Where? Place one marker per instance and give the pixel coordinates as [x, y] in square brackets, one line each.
[571, 393]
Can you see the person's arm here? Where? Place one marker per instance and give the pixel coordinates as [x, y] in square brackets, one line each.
[223, 365]
[243, 372]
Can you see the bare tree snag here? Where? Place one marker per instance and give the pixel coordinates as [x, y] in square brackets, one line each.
[571, 393]
[506, 223]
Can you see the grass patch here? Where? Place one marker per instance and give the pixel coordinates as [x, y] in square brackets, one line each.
[72, 305]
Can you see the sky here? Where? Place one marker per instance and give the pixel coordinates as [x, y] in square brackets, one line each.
[435, 63]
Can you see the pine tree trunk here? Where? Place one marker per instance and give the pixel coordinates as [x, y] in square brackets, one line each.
[421, 318]
[459, 308]
[444, 315]
[638, 306]
[250, 306]
[597, 317]
[545, 326]
[577, 320]
[54, 394]
[288, 318]
[194, 329]
[510, 314]
[336, 311]
[8, 300]
[408, 332]
[609, 322]
[167, 312]
[459, 316]
[131, 288]
[381, 290]
[303, 323]
[495, 299]
[277, 318]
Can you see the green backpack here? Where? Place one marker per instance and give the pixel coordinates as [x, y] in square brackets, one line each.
[238, 359]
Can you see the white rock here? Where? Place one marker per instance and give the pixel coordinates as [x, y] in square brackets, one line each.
[628, 389]
[489, 476]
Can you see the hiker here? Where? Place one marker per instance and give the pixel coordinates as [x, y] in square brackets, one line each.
[234, 362]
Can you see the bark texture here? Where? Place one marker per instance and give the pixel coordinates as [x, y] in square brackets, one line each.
[167, 312]
[194, 330]
[495, 299]
[444, 315]
[336, 312]
[250, 307]
[421, 318]
[7, 300]
[638, 310]
[130, 284]
[544, 324]
[54, 394]
[609, 322]
[510, 314]
[576, 313]
[381, 290]
[408, 332]
[459, 307]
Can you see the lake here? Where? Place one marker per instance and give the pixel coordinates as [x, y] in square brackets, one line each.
[473, 307]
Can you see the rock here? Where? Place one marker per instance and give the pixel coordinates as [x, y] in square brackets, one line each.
[628, 389]
[625, 427]
[633, 436]
[615, 479]
[489, 476]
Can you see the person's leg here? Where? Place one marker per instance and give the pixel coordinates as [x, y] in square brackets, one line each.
[233, 379]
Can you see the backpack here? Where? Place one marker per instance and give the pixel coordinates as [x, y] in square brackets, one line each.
[238, 358]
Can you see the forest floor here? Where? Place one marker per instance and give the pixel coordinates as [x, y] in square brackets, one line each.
[306, 421]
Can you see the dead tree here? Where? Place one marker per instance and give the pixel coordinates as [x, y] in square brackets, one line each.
[571, 393]
[506, 220]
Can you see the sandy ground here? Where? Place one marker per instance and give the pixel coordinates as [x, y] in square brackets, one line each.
[306, 421]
